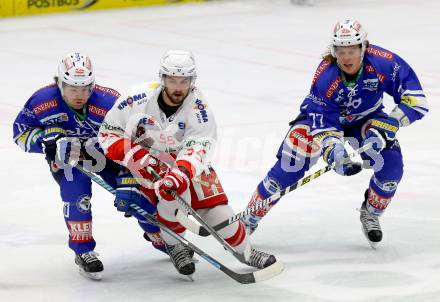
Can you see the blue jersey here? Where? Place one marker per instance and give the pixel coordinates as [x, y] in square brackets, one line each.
[333, 105]
[46, 107]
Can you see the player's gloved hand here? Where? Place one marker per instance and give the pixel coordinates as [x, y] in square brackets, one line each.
[336, 154]
[127, 192]
[381, 132]
[175, 181]
[68, 148]
[144, 162]
[49, 141]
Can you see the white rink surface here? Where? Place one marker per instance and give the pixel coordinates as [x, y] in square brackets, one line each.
[256, 60]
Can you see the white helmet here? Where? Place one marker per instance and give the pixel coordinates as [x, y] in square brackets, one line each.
[348, 32]
[178, 63]
[75, 70]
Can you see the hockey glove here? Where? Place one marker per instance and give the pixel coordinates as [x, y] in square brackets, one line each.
[336, 155]
[49, 141]
[68, 148]
[143, 161]
[127, 192]
[175, 181]
[381, 132]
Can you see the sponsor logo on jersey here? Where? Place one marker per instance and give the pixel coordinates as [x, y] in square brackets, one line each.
[380, 53]
[332, 88]
[83, 205]
[27, 112]
[127, 102]
[395, 70]
[317, 100]
[370, 84]
[107, 90]
[300, 141]
[202, 116]
[55, 119]
[111, 127]
[97, 110]
[53, 103]
[80, 231]
[147, 121]
[377, 202]
[320, 70]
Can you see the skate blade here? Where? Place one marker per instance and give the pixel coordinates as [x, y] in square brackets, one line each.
[373, 244]
[92, 276]
[190, 277]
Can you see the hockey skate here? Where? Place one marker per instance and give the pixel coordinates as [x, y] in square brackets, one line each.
[181, 258]
[89, 265]
[260, 259]
[370, 226]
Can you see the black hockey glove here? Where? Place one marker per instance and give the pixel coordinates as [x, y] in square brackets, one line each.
[49, 141]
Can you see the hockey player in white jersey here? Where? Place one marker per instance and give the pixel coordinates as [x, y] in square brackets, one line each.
[171, 120]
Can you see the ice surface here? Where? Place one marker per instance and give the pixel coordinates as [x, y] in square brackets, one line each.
[256, 60]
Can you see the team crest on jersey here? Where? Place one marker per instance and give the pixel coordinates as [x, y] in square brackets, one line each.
[300, 141]
[83, 205]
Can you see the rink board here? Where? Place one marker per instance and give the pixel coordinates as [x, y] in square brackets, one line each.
[10, 8]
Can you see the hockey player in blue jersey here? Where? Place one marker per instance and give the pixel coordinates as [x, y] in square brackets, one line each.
[345, 103]
[52, 120]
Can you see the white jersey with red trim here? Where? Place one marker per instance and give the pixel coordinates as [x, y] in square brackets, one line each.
[137, 121]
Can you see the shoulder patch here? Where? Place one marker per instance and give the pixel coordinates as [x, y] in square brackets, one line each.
[202, 114]
[380, 53]
[108, 90]
[320, 70]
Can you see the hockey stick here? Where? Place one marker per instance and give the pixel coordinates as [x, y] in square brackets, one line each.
[200, 220]
[155, 126]
[243, 278]
[202, 231]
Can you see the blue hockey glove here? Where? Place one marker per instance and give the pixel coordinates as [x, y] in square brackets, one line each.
[49, 141]
[381, 132]
[127, 192]
[335, 154]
